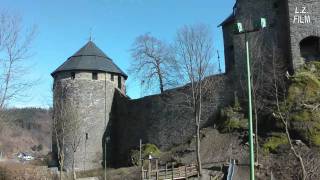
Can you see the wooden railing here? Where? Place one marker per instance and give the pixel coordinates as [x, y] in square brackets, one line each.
[182, 172]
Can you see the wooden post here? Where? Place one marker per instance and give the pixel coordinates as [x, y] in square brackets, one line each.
[157, 170]
[172, 167]
[149, 169]
[185, 172]
[142, 171]
[165, 174]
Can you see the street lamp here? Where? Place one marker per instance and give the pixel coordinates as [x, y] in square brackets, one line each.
[240, 30]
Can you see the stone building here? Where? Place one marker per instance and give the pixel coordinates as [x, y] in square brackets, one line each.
[293, 33]
[113, 124]
[85, 84]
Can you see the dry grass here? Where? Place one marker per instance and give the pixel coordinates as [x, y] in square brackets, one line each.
[19, 171]
[130, 173]
[11, 170]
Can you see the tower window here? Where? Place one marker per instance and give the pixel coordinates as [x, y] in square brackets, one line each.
[94, 76]
[73, 75]
[112, 77]
[119, 82]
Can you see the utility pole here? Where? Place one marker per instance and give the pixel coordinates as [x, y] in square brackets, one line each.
[140, 153]
[105, 127]
[219, 62]
[241, 30]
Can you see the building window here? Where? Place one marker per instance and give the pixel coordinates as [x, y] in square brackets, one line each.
[112, 77]
[94, 76]
[73, 75]
[119, 82]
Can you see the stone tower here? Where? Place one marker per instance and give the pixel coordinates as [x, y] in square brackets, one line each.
[83, 93]
[292, 36]
[304, 29]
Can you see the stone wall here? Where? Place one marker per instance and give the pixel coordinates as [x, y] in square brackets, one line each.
[264, 44]
[300, 27]
[91, 100]
[88, 76]
[165, 120]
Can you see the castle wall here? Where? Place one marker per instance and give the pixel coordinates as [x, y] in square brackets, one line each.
[228, 35]
[304, 18]
[91, 100]
[164, 120]
[265, 44]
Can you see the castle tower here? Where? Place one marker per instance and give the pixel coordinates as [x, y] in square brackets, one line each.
[304, 28]
[83, 93]
[293, 30]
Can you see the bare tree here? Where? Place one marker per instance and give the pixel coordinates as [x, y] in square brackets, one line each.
[75, 135]
[194, 51]
[15, 42]
[283, 109]
[153, 62]
[66, 125]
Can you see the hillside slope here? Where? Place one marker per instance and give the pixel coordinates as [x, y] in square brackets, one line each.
[26, 130]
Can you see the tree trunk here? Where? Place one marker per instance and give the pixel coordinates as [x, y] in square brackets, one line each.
[161, 84]
[297, 155]
[160, 78]
[256, 134]
[61, 166]
[73, 167]
[198, 150]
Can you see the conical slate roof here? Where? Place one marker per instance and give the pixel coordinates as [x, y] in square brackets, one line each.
[91, 58]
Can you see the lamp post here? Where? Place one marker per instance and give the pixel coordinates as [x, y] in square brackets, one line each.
[240, 30]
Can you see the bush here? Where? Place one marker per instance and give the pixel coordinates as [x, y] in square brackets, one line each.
[273, 142]
[39, 147]
[231, 119]
[147, 149]
[34, 148]
[303, 95]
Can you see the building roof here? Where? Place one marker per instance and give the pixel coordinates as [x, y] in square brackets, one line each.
[232, 16]
[91, 58]
[229, 19]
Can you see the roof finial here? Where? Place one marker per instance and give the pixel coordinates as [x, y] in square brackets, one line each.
[90, 37]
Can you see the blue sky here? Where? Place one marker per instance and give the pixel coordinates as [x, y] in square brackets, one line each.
[64, 27]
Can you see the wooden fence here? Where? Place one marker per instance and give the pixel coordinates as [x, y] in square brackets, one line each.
[182, 172]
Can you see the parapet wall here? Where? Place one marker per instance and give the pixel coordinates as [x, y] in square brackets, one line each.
[164, 120]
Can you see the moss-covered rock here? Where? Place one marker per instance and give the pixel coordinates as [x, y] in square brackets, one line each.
[273, 142]
[232, 119]
[147, 149]
[302, 99]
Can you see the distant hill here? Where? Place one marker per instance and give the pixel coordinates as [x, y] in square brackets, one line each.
[25, 129]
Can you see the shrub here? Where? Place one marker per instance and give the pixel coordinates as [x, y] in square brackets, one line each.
[273, 142]
[302, 99]
[147, 149]
[232, 119]
[39, 147]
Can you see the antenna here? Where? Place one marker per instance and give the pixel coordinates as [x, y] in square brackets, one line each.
[219, 61]
[90, 34]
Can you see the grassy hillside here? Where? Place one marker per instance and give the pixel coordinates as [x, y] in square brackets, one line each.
[26, 129]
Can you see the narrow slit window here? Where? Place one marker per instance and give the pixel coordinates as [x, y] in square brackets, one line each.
[112, 77]
[119, 82]
[73, 75]
[94, 76]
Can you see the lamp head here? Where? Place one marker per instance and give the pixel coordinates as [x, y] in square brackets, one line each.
[261, 23]
[239, 27]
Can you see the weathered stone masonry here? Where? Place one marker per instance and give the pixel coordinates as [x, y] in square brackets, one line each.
[116, 122]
